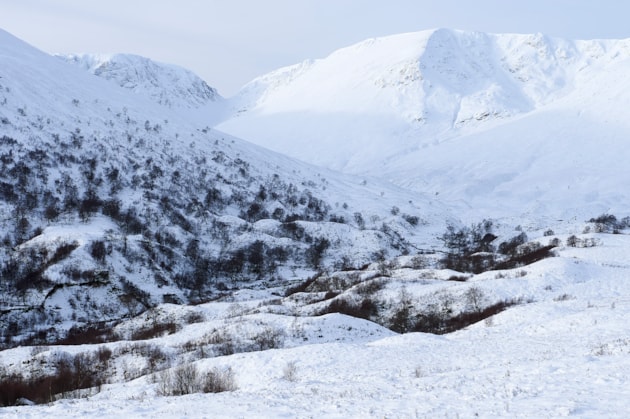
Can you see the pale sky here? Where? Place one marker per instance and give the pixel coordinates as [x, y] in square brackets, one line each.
[229, 42]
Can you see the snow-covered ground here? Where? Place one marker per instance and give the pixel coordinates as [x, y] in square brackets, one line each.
[565, 352]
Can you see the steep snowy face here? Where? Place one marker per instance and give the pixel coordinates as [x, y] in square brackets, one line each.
[376, 100]
[166, 84]
[506, 124]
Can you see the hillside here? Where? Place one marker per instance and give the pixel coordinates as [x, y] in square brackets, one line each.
[562, 351]
[509, 125]
[104, 190]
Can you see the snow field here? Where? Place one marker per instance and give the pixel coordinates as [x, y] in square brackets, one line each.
[565, 353]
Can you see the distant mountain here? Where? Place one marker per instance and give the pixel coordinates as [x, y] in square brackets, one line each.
[507, 124]
[166, 84]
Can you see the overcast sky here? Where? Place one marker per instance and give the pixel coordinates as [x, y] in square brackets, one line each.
[229, 42]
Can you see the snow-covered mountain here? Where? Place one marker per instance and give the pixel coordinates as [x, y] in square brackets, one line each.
[117, 210]
[103, 189]
[167, 84]
[498, 125]
[503, 123]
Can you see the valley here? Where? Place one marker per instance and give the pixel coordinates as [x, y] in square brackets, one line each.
[428, 224]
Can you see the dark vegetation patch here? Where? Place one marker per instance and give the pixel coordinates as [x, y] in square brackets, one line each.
[71, 374]
[155, 329]
[433, 322]
[365, 308]
[472, 249]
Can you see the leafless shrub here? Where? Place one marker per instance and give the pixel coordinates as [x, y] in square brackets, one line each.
[370, 287]
[555, 242]
[601, 350]
[475, 299]
[194, 317]
[441, 320]
[564, 297]
[154, 330]
[419, 262]
[186, 379]
[511, 274]
[179, 381]
[271, 302]
[297, 329]
[235, 310]
[301, 287]
[574, 241]
[458, 278]
[217, 381]
[163, 381]
[400, 320]
[329, 295]
[94, 333]
[385, 268]
[103, 354]
[290, 372]
[222, 341]
[36, 350]
[269, 338]
[363, 309]
[71, 377]
[155, 357]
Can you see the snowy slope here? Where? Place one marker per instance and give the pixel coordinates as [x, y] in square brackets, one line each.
[141, 203]
[169, 85]
[166, 84]
[564, 353]
[507, 124]
[191, 199]
[59, 97]
[484, 121]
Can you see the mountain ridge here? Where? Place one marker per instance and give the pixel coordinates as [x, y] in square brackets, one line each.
[391, 106]
[416, 100]
[167, 84]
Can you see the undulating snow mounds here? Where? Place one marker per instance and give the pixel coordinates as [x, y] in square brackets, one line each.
[563, 353]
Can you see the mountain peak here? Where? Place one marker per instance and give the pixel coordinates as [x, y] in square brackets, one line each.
[403, 105]
[169, 85]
